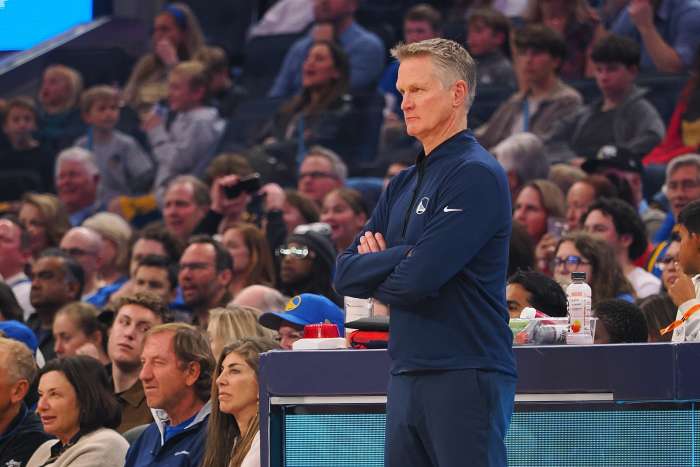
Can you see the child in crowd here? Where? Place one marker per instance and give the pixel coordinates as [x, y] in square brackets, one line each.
[188, 144]
[21, 151]
[487, 39]
[224, 94]
[125, 168]
[59, 117]
[622, 117]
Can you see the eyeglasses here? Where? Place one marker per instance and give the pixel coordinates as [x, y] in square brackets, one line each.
[317, 174]
[667, 261]
[77, 252]
[294, 252]
[317, 227]
[572, 260]
[683, 185]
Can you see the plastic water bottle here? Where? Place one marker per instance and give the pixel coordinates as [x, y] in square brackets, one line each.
[578, 301]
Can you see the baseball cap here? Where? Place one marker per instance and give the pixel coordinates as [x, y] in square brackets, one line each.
[19, 332]
[613, 157]
[305, 309]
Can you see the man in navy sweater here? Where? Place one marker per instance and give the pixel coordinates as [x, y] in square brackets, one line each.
[436, 251]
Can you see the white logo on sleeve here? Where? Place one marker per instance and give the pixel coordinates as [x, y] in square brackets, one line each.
[452, 209]
[423, 205]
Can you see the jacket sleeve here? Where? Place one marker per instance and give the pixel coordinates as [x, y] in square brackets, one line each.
[284, 83]
[366, 63]
[450, 239]
[557, 143]
[647, 130]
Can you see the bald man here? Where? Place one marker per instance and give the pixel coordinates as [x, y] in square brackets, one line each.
[85, 246]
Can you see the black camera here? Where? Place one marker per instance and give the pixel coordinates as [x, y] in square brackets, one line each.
[249, 184]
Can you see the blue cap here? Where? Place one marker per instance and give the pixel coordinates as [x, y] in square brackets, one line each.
[19, 332]
[304, 309]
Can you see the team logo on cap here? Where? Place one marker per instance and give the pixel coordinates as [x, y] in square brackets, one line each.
[293, 303]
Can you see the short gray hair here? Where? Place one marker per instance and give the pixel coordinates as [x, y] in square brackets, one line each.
[200, 190]
[523, 153]
[18, 360]
[337, 165]
[681, 161]
[80, 155]
[450, 57]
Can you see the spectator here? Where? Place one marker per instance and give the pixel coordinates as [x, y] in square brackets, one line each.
[682, 136]
[57, 279]
[77, 184]
[521, 252]
[534, 289]
[669, 264]
[578, 24]
[177, 37]
[124, 166]
[683, 291]
[227, 325]
[115, 234]
[422, 21]
[537, 202]
[20, 430]
[15, 254]
[580, 252]
[543, 99]
[76, 325]
[176, 374]
[619, 322]
[45, 219]
[224, 94]
[9, 307]
[320, 111]
[346, 213]
[565, 175]
[659, 311]
[298, 209]
[134, 316]
[619, 225]
[77, 406]
[59, 117]
[321, 172]
[252, 259]
[186, 145]
[157, 275]
[618, 162]
[235, 418]
[488, 33]
[363, 48]
[308, 258]
[522, 157]
[260, 297]
[186, 202]
[302, 310]
[582, 194]
[205, 275]
[25, 154]
[85, 246]
[622, 117]
[667, 30]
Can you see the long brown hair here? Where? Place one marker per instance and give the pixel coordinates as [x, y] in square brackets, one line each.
[579, 10]
[223, 431]
[261, 268]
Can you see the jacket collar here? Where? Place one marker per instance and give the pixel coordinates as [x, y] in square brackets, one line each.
[161, 418]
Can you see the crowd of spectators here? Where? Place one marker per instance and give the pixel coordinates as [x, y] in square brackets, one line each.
[145, 268]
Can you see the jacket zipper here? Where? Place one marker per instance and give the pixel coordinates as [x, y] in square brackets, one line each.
[421, 170]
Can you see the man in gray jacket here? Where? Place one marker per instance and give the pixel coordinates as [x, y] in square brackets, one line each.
[621, 117]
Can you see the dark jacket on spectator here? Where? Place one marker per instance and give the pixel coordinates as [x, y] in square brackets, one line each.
[23, 437]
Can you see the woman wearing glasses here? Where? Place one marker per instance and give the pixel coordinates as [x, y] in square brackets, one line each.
[580, 252]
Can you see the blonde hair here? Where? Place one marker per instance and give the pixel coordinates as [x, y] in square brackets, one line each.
[75, 80]
[195, 72]
[54, 214]
[448, 56]
[84, 316]
[235, 322]
[113, 227]
[18, 360]
[96, 94]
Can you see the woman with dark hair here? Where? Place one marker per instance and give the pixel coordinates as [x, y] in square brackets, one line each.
[346, 212]
[317, 115]
[298, 209]
[580, 252]
[536, 202]
[233, 434]
[77, 331]
[77, 406]
[252, 260]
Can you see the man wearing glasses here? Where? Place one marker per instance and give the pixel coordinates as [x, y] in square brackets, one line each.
[85, 245]
[436, 251]
[321, 172]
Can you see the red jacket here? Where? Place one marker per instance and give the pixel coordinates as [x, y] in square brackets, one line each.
[672, 144]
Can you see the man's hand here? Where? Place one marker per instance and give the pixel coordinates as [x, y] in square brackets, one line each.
[371, 243]
[682, 290]
[274, 196]
[218, 198]
[641, 13]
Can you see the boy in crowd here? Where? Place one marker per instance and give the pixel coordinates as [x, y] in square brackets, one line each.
[488, 31]
[21, 151]
[125, 168]
[619, 322]
[186, 145]
[224, 94]
[622, 117]
[543, 98]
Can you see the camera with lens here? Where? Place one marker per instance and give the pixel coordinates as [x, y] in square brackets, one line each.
[249, 184]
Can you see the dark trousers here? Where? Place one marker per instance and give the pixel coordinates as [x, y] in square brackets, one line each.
[448, 418]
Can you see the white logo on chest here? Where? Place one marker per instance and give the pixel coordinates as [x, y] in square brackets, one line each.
[423, 205]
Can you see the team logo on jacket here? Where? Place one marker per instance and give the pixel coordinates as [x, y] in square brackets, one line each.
[423, 205]
[13, 463]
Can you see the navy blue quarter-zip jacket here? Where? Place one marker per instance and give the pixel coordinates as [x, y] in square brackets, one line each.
[447, 225]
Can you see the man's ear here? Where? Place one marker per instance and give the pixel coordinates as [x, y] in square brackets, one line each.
[461, 93]
[19, 390]
[192, 373]
[626, 240]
